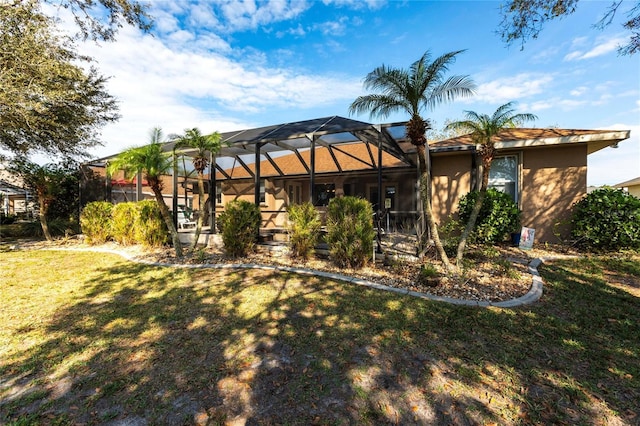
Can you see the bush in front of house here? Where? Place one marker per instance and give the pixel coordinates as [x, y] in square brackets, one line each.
[239, 225]
[123, 227]
[149, 227]
[95, 221]
[499, 216]
[304, 230]
[350, 231]
[607, 219]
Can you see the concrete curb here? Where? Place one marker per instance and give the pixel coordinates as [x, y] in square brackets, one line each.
[533, 295]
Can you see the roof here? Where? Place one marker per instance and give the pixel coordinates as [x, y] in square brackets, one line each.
[532, 137]
[632, 182]
[331, 159]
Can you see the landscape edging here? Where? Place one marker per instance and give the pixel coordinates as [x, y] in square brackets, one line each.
[533, 295]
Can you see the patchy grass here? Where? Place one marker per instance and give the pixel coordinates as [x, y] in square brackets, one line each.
[90, 338]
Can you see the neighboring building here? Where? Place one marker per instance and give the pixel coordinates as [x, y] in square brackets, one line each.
[14, 198]
[543, 170]
[631, 186]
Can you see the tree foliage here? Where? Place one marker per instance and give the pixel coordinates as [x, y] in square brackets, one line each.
[52, 100]
[607, 219]
[524, 19]
[202, 146]
[152, 162]
[413, 91]
[55, 187]
[483, 129]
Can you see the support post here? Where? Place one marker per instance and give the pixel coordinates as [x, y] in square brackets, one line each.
[256, 177]
[174, 191]
[380, 192]
[312, 172]
[139, 186]
[213, 193]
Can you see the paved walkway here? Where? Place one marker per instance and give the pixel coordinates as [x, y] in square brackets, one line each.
[534, 294]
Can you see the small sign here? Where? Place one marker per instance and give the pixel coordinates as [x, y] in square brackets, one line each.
[526, 238]
[387, 203]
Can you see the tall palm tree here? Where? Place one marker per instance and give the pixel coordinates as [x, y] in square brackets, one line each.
[483, 128]
[204, 145]
[153, 163]
[422, 87]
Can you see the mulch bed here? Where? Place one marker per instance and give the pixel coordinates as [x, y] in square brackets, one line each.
[501, 276]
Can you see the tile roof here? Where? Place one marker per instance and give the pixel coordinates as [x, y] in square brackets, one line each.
[348, 157]
[511, 135]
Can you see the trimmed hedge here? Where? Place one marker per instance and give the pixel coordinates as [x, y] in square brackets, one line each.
[607, 219]
[304, 230]
[95, 221]
[124, 223]
[350, 231]
[239, 225]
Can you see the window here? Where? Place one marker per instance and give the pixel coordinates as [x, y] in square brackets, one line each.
[324, 193]
[218, 193]
[503, 175]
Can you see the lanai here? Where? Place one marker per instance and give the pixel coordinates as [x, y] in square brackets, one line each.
[250, 147]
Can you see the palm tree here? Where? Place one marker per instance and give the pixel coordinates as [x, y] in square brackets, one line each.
[483, 128]
[422, 87]
[47, 182]
[203, 145]
[153, 163]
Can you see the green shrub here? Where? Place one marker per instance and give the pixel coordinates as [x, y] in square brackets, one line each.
[95, 221]
[350, 231]
[239, 224]
[607, 219]
[123, 223]
[498, 216]
[7, 219]
[150, 229]
[304, 229]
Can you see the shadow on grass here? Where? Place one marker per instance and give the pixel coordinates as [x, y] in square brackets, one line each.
[150, 345]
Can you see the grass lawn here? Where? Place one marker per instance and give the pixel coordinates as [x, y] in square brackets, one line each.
[90, 338]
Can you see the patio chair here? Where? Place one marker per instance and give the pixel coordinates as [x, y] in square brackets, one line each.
[184, 222]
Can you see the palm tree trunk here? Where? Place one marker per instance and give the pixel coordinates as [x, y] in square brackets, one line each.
[43, 220]
[475, 212]
[200, 212]
[168, 220]
[426, 195]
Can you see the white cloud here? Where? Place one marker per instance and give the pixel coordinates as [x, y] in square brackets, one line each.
[512, 88]
[158, 83]
[602, 47]
[248, 14]
[578, 91]
[357, 4]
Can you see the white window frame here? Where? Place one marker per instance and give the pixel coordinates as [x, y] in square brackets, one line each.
[502, 182]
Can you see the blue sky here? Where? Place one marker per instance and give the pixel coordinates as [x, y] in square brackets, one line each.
[224, 66]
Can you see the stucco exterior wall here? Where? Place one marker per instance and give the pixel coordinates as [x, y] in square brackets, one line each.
[552, 180]
[450, 181]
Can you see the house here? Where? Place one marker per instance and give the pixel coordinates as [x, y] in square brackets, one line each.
[631, 186]
[543, 170]
[14, 198]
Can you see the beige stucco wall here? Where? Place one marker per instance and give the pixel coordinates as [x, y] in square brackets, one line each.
[552, 180]
[450, 180]
[634, 190]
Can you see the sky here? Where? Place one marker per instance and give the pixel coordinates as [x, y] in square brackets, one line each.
[231, 65]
